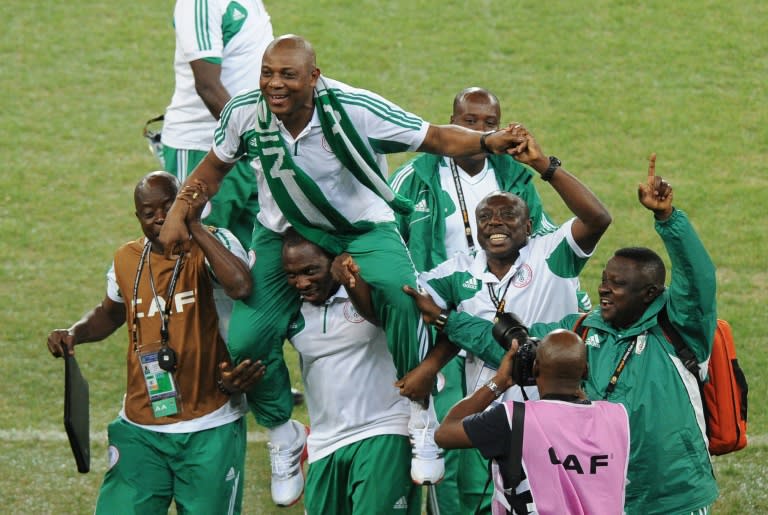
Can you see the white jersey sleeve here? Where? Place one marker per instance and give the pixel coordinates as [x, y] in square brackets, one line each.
[198, 29]
[224, 303]
[113, 291]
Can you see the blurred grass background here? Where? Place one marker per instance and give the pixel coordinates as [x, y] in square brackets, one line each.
[601, 84]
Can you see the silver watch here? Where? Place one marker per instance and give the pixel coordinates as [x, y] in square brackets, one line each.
[494, 388]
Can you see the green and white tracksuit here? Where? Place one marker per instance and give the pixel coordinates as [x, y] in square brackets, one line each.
[669, 465]
[260, 322]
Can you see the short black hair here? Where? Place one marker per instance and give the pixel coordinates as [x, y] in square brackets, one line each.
[292, 239]
[650, 263]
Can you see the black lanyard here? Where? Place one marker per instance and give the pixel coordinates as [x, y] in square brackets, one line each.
[620, 368]
[462, 205]
[498, 302]
[166, 313]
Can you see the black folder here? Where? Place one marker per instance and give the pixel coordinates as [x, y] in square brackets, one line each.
[76, 414]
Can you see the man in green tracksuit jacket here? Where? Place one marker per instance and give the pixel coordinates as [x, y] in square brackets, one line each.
[424, 228]
[669, 467]
[440, 226]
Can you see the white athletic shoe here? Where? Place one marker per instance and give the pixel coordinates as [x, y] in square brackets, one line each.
[427, 463]
[288, 468]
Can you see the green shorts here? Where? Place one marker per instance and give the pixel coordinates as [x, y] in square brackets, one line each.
[235, 205]
[372, 476]
[202, 471]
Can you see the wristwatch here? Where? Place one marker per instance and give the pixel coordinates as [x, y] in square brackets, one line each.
[493, 387]
[554, 163]
[441, 319]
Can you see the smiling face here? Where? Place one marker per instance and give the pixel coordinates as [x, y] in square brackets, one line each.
[308, 269]
[153, 197]
[626, 289]
[288, 77]
[503, 226]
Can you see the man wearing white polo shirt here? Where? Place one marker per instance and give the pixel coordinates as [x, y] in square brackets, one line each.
[359, 419]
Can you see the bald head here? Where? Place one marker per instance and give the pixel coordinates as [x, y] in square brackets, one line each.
[158, 180]
[562, 359]
[300, 48]
[153, 196]
[475, 95]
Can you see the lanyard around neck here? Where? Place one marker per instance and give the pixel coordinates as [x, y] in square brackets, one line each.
[462, 205]
[499, 302]
[620, 368]
[166, 312]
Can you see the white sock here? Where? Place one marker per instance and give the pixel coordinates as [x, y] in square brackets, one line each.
[284, 435]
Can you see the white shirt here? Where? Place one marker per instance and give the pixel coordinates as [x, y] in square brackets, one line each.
[540, 286]
[374, 117]
[475, 188]
[348, 376]
[237, 33]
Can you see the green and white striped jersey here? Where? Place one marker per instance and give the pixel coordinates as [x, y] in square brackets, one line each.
[232, 34]
[382, 126]
[539, 287]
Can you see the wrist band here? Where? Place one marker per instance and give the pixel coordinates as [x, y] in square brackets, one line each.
[483, 145]
[223, 389]
[554, 163]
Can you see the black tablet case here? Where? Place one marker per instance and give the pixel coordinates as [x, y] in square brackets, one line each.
[76, 415]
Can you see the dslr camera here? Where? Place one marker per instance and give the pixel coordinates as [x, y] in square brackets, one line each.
[509, 328]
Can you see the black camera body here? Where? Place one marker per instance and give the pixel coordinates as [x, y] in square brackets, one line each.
[509, 328]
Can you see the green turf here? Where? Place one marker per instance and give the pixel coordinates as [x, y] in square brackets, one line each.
[601, 84]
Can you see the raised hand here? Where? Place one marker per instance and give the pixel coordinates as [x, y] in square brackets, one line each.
[656, 193]
[528, 151]
[195, 194]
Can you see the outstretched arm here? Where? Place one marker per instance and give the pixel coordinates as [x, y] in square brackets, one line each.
[231, 272]
[451, 433]
[174, 234]
[592, 218]
[691, 306]
[95, 325]
[457, 141]
[468, 332]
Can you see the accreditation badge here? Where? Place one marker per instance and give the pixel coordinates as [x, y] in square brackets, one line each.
[161, 387]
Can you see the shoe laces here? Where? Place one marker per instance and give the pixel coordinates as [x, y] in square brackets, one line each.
[285, 462]
[423, 440]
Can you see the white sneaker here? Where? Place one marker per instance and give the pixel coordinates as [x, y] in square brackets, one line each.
[288, 468]
[427, 463]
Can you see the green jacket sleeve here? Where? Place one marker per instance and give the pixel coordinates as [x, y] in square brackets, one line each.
[691, 301]
[474, 335]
